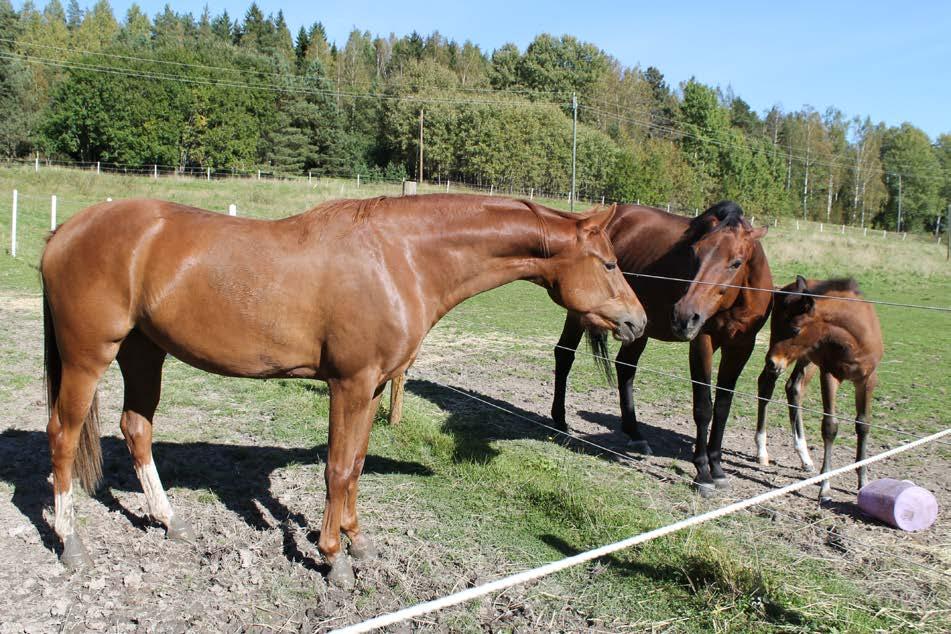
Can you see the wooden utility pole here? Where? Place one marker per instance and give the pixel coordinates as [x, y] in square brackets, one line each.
[947, 230]
[899, 202]
[419, 174]
[574, 146]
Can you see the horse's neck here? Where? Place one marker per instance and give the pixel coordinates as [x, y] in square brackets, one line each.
[480, 259]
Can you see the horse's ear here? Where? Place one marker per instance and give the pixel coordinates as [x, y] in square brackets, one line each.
[598, 220]
[800, 284]
[758, 233]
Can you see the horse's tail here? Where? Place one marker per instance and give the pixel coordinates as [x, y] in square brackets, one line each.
[88, 464]
[396, 399]
[598, 342]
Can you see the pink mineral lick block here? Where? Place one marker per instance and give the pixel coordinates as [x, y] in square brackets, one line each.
[899, 503]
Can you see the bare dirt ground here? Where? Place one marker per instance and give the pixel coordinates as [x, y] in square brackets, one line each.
[254, 564]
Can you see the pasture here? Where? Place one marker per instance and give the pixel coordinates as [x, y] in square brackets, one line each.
[461, 492]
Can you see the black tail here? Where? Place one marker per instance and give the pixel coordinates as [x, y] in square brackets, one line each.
[598, 342]
[88, 464]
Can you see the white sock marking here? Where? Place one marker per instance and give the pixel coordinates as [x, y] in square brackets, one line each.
[65, 521]
[159, 506]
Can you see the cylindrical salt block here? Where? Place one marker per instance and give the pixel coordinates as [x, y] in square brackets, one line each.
[899, 503]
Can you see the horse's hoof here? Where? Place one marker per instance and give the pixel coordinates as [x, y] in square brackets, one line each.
[363, 548]
[809, 468]
[179, 530]
[825, 499]
[705, 489]
[640, 446]
[75, 556]
[763, 460]
[722, 484]
[341, 573]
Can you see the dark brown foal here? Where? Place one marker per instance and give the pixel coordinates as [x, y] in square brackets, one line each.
[842, 340]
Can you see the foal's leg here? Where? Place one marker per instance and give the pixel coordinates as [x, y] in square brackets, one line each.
[564, 358]
[766, 384]
[626, 367]
[360, 545]
[351, 405]
[830, 428]
[141, 362]
[701, 367]
[863, 412]
[795, 388]
[733, 359]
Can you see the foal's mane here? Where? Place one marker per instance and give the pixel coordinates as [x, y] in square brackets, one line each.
[841, 285]
[723, 215]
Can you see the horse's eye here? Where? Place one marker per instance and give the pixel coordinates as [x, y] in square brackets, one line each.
[610, 265]
[735, 264]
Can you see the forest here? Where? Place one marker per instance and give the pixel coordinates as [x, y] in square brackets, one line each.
[244, 93]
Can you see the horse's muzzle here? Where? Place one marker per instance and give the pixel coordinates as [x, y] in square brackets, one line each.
[686, 327]
[630, 328]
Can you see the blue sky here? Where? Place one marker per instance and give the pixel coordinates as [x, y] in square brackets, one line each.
[888, 60]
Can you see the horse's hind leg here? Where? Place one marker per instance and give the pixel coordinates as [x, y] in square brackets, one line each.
[863, 412]
[795, 388]
[71, 412]
[830, 428]
[141, 363]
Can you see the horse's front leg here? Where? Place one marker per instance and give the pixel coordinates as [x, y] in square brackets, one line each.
[795, 388]
[701, 367]
[353, 402]
[733, 359]
[626, 367]
[564, 358]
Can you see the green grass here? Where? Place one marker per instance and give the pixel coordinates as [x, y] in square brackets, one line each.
[531, 500]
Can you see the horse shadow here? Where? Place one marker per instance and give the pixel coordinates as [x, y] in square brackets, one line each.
[469, 411]
[238, 475]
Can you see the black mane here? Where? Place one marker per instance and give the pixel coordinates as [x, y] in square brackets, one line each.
[842, 284]
[727, 214]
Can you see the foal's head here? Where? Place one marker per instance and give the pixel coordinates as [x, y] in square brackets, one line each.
[584, 277]
[721, 243]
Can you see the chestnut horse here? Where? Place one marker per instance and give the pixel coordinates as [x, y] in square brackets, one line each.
[717, 247]
[840, 339]
[343, 293]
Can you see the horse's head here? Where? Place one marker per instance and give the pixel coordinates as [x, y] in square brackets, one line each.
[721, 244]
[584, 277]
[794, 309]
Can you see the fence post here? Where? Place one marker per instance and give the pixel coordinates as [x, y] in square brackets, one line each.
[752, 220]
[259, 174]
[843, 230]
[13, 227]
[797, 225]
[232, 210]
[208, 173]
[884, 233]
[97, 168]
[492, 190]
[668, 207]
[447, 185]
[53, 212]
[531, 193]
[865, 232]
[358, 180]
[310, 176]
[155, 171]
[36, 164]
[820, 227]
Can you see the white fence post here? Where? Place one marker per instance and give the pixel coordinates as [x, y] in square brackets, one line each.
[53, 212]
[310, 176]
[820, 227]
[259, 174]
[358, 180]
[843, 229]
[447, 185]
[884, 233]
[752, 220]
[208, 173]
[797, 225]
[492, 190]
[865, 232]
[602, 200]
[232, 210]
[531, 193]
[36, 164]
[97, 168]
[155, 171]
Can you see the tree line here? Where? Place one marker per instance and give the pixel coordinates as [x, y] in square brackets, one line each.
[212, 91]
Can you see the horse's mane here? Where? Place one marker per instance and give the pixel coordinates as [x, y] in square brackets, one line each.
[359, 207]
[722, 215]
[841, 285]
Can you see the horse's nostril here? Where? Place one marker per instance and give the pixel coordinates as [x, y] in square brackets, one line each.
[694, 319]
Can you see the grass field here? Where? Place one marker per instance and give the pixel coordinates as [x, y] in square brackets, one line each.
[490, 495]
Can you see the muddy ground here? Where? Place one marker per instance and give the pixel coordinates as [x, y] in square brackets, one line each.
[254, 564]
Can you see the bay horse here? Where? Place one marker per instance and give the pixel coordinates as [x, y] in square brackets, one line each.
[716, 248]
[343, 293]
[840, 339]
